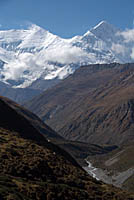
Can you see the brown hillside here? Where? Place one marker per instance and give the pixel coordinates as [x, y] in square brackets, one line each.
[32, 168]
[95, 104]
[22, 118]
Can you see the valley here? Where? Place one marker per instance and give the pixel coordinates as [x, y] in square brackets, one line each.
[95, 106]
[67, 115]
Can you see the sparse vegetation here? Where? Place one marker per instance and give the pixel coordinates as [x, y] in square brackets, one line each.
[32, 168]
[31, 171]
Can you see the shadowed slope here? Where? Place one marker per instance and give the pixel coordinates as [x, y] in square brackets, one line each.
[22, 117]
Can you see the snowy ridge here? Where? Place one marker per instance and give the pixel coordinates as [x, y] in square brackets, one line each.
[36, 54]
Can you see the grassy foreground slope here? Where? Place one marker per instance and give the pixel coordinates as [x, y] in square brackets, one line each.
[33, 168]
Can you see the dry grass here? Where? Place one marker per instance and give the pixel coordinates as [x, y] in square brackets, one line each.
[31, 171]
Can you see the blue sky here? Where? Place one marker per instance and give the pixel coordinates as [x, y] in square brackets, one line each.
[66, 18]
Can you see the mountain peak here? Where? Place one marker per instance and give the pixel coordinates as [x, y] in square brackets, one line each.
[105, 31]
[103, 25]
[36, 28]
[33, 54]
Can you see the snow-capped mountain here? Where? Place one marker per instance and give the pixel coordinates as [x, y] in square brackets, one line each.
[29, 58]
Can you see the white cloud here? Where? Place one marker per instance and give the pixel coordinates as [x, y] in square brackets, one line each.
[119, 49]
[37, 64]
[64, 55]
[127, 46]
[132, 53]
[128, 35]
[15, 69]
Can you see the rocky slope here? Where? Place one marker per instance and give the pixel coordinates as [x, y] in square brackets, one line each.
[32, 168]
[79, 150]
[95, 104]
